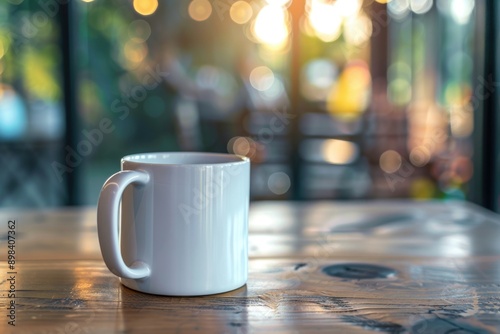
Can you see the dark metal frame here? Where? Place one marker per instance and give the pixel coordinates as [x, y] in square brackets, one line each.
[68, 46]
[485, 186]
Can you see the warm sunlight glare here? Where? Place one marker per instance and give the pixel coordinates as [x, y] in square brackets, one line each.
[200, 10]
[339, 152]
[241, 12]
[325, 19]
[270, 26]
[145, 7]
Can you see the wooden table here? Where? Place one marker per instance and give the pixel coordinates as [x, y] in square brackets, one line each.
[360, 267]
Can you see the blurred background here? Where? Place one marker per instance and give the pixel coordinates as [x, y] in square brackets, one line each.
[330, 99]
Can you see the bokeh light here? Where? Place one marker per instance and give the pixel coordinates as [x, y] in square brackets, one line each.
[208, 77]
[245, 146]
[461, 169]
[200, 10]
[275, 91]
[420, 156]
[325, 19]
[357, 29]
[37, 73]
[306, 28]
[349, 98]
[390, 161]
[422, 188]
[348, 8]
[13, 116]
[339, 152]
[279, 183]
[421, 6]
[459, 10]
[271, 26]
[241, 12]
[135, 51]
[261, 78]
[241, 146]
[319, 75]
[399, 70]
[399, 90]
[145, 7]
[139, 29]
[398, 9]
[461, 121]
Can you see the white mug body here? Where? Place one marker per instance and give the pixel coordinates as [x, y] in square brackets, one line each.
[188, 223]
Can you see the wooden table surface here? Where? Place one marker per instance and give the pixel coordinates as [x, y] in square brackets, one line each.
[317, 267]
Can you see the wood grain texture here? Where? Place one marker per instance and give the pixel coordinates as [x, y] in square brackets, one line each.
[445, 257]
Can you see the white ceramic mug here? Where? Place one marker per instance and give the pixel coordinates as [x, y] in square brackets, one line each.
[184, 222]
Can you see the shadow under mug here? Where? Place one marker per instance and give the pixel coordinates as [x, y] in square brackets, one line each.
[184, 222]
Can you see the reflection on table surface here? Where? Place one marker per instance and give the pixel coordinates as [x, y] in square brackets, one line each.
[386, 266]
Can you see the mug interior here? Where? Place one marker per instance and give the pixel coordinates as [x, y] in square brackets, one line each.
[184, 158]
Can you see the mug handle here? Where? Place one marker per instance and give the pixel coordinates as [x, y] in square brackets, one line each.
[107, 223]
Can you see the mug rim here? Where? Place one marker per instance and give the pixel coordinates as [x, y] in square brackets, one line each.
[147, 158]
